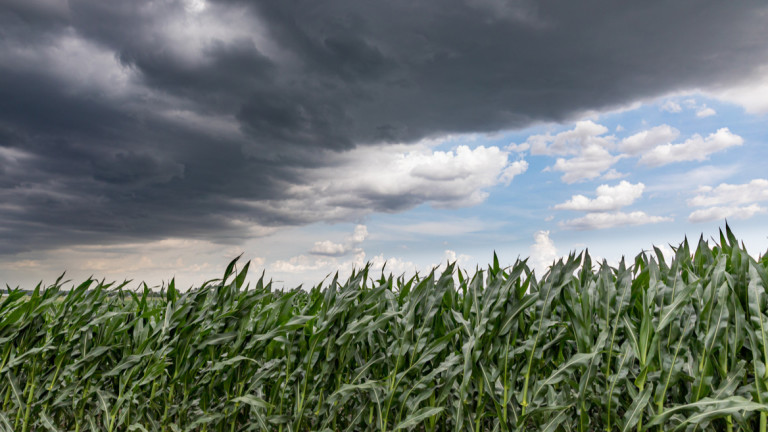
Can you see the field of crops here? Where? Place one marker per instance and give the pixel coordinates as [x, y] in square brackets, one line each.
[680, 344]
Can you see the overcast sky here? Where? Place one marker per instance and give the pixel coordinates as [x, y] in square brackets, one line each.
[151, 139]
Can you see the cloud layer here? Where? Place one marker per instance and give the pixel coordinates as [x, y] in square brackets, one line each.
[696, 148]
[608, 198]
[604, 220]
[593, 152]
[603, 210]
[727, 201]
[221, 120]
[543, 252]
[390, 179]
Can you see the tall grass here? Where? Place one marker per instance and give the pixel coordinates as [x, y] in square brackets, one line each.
[647, 345]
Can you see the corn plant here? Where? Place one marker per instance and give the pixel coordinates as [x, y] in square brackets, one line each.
[654, 344]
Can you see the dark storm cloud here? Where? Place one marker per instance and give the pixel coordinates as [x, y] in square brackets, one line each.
[124, 121]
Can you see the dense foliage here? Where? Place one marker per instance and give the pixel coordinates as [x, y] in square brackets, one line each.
[679, 344]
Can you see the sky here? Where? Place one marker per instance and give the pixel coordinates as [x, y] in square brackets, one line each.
[153, 139]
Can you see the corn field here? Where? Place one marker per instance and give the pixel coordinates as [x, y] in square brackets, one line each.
[652, 345]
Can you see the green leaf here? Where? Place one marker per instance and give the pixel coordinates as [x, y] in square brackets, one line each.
[635, 411]
[555, 422]
[47, 422]
[708, 409]
[253, 401]
[418, 416]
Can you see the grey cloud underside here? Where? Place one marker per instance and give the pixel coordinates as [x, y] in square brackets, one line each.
[107, 167]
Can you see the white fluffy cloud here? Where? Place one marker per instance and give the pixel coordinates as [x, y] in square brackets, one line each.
[359, 234]
[720, 213]
[705, 111]
[586, 134]
[514, 169]
[392, 178]
[444, 179]
[671, 106]
[591, 162]
[543, 251]
[702, 110]
[592, 153]
[648, 139]
[329, 248]
[603, 209]
[696, 148]
[753, 99]
[603, 220]
[733, 194]
[451, 256]
[608, 198]
[393, 265]
[612, 174]
[752, 93]
[519, 148]
[726, 201]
